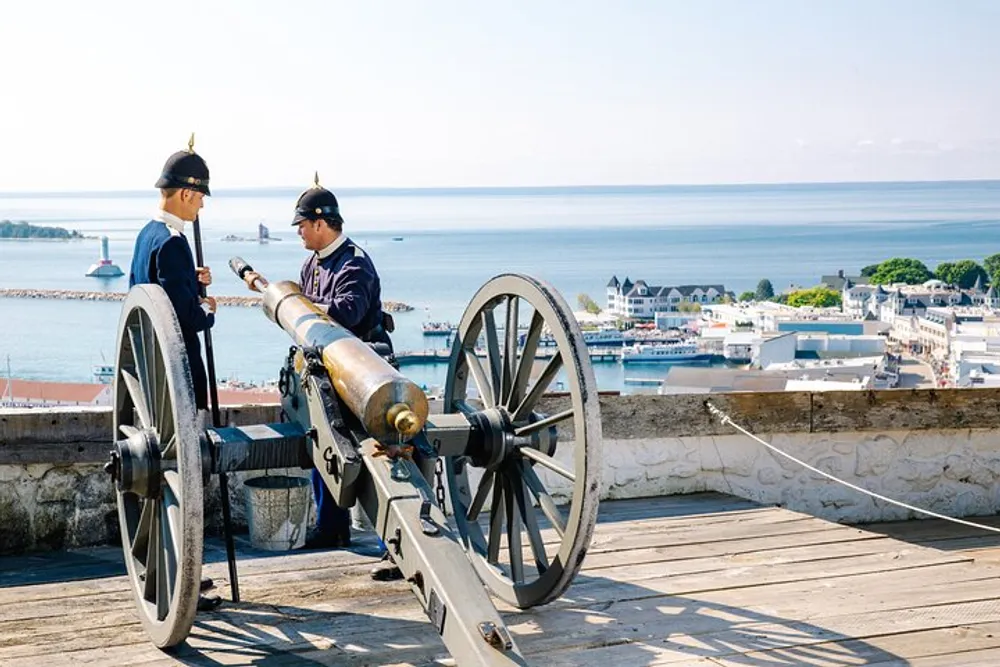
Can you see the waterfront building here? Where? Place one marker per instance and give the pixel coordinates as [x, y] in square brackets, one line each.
[838, 282]
[640, 300]
[17, 393]
[28, 393]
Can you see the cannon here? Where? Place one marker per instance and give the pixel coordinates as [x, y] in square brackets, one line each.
[522, 484]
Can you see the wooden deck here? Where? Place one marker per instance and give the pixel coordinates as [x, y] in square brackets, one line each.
[687, 580]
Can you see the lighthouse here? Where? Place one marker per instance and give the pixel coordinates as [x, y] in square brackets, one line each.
[104, 268]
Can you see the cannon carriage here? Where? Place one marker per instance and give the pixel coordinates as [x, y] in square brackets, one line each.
[522, 484]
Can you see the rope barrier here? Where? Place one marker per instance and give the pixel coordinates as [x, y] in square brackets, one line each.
[726, 420]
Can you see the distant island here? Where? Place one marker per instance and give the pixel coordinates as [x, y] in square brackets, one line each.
[22, 230]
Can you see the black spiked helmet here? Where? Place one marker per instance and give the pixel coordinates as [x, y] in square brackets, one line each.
[317, 203]
[185, 169]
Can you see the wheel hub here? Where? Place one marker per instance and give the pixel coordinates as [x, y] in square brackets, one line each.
[135, 464]
[497, 437]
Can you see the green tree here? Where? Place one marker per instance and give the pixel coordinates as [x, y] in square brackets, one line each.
[765, 290]
[901, 270]
[963, 273]
[748, 296]
[869, 271]
[22, 230]
[588, 304]
[818, 297]
[945, 271]
[688, 307]
[992, 266]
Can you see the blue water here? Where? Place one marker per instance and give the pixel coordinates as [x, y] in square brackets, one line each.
[454, 240]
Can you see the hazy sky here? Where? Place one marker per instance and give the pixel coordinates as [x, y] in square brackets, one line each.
[95, 95]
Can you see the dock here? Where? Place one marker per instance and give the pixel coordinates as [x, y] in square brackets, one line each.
[705, 579]
[412, 357]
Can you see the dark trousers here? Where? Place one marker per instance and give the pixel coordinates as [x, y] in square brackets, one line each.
[199, 378]
[331, 519]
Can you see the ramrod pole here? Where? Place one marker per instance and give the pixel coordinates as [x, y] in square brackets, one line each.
[213, 392]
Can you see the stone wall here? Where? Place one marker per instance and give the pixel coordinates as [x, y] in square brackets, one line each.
[936, 449]
[54, 492]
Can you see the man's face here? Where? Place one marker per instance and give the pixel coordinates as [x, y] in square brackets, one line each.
[191, 202]
[310, 232]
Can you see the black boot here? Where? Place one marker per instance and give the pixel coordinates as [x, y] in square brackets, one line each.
[386, 570]
[317, 539]
[208, 602]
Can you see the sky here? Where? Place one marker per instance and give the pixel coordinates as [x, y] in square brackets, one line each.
[96, 95]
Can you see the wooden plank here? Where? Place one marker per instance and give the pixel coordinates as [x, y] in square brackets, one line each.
[955, 643]
[783, 594]
[663, 554]
[47, 635]
[688, 632]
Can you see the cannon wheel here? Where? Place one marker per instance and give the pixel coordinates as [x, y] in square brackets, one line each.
[160, 508]
[514, 557]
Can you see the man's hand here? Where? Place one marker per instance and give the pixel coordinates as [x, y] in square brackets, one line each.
[254, 280]
[210, 302]
[204, 275]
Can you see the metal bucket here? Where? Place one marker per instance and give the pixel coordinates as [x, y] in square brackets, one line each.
[277, 511]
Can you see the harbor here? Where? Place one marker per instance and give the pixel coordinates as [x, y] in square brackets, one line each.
[603, 355]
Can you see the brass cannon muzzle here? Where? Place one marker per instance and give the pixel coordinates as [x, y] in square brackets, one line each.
[388, 403]
[406, 422]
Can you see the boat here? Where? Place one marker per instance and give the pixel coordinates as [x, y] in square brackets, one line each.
[103, 373]
[438, 328]
[678, 352]
[397, 238]
[601, 337]
[616, 338]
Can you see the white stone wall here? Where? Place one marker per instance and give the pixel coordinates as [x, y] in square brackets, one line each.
[952, 472]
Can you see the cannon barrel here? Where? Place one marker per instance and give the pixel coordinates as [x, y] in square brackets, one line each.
[390, 406]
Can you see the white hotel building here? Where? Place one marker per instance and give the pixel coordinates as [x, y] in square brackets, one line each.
[642, 301]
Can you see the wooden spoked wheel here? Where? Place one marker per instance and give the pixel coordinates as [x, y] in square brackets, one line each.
[526, 506]
[157, 466]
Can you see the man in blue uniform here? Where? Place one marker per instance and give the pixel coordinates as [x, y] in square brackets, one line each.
[340, 278]
[163, 257]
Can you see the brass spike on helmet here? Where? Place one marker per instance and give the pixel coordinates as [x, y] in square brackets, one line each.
[191, 143]
[316, 180]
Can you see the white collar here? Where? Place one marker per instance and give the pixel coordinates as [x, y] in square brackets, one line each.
[170, 220]
[332, 248]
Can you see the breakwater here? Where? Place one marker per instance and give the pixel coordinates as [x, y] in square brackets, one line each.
[84, 295]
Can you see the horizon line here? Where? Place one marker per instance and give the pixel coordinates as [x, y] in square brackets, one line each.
[501, 189]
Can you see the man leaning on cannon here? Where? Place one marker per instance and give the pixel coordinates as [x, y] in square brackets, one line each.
[341, 279]
[163, 257]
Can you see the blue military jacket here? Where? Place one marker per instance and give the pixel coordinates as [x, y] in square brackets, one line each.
[346, 285]
[163, 257]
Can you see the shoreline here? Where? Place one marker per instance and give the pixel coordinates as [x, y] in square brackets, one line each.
[85, 295]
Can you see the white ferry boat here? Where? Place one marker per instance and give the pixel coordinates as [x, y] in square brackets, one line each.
[679, 352]
[103, 373]
[438, 328]
[603, 337]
